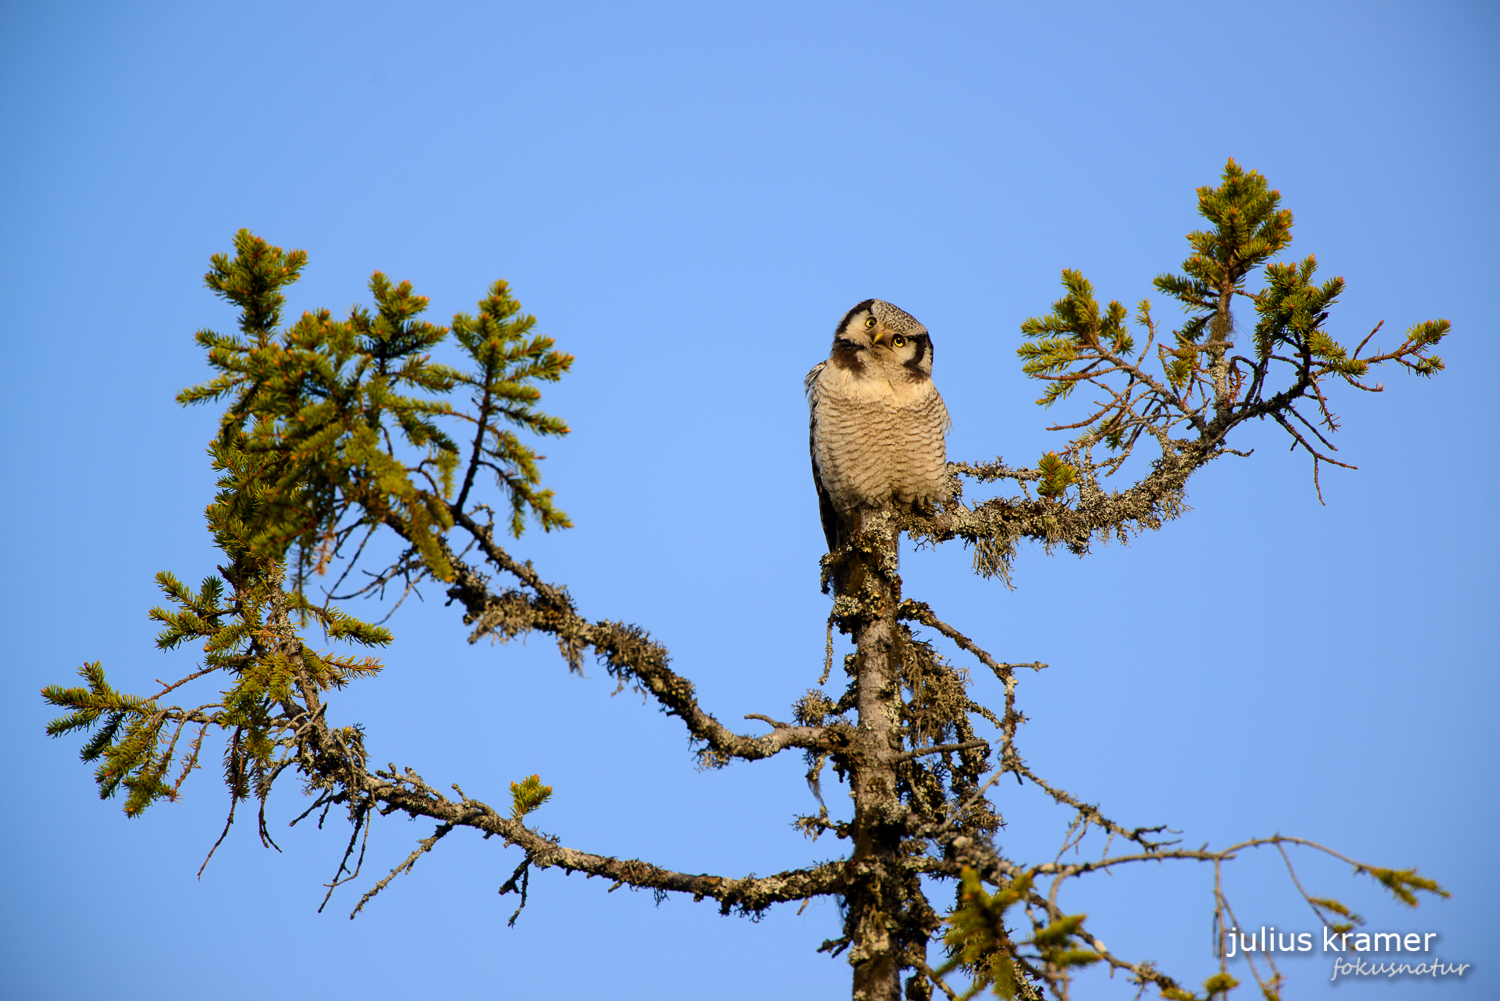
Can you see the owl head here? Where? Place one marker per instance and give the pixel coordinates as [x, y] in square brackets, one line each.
[877, 335]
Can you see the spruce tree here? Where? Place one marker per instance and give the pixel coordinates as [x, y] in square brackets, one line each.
[335, 431]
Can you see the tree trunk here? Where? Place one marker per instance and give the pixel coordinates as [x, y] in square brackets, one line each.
[870, 579]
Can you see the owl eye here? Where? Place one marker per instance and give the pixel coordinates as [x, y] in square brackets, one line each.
[898, 341]
[869, 322]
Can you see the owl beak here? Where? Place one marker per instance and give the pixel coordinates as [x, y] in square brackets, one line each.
[880, 339]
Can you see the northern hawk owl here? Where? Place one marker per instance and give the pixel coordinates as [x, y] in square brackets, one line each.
[877, 421]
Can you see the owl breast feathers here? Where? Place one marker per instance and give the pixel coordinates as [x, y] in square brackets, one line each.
[877, 421]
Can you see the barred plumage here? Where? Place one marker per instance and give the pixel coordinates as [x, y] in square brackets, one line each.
[877, 423]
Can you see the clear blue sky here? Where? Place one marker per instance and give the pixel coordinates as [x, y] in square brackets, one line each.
[689, 197]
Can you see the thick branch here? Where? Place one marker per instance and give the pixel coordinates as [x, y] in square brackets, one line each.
[1001, 522]
[627, 651]
[408, 793]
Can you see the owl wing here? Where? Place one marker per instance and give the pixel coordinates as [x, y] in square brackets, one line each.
[834, 529]
[938, 425]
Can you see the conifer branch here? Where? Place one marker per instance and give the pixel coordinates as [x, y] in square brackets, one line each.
[329, 765]
[1200, 386]
[918, 752]
[628, 653]
[424, 846]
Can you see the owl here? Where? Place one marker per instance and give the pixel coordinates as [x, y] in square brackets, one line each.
[877, 421]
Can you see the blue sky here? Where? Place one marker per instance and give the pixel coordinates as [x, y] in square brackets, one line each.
[689, 197]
